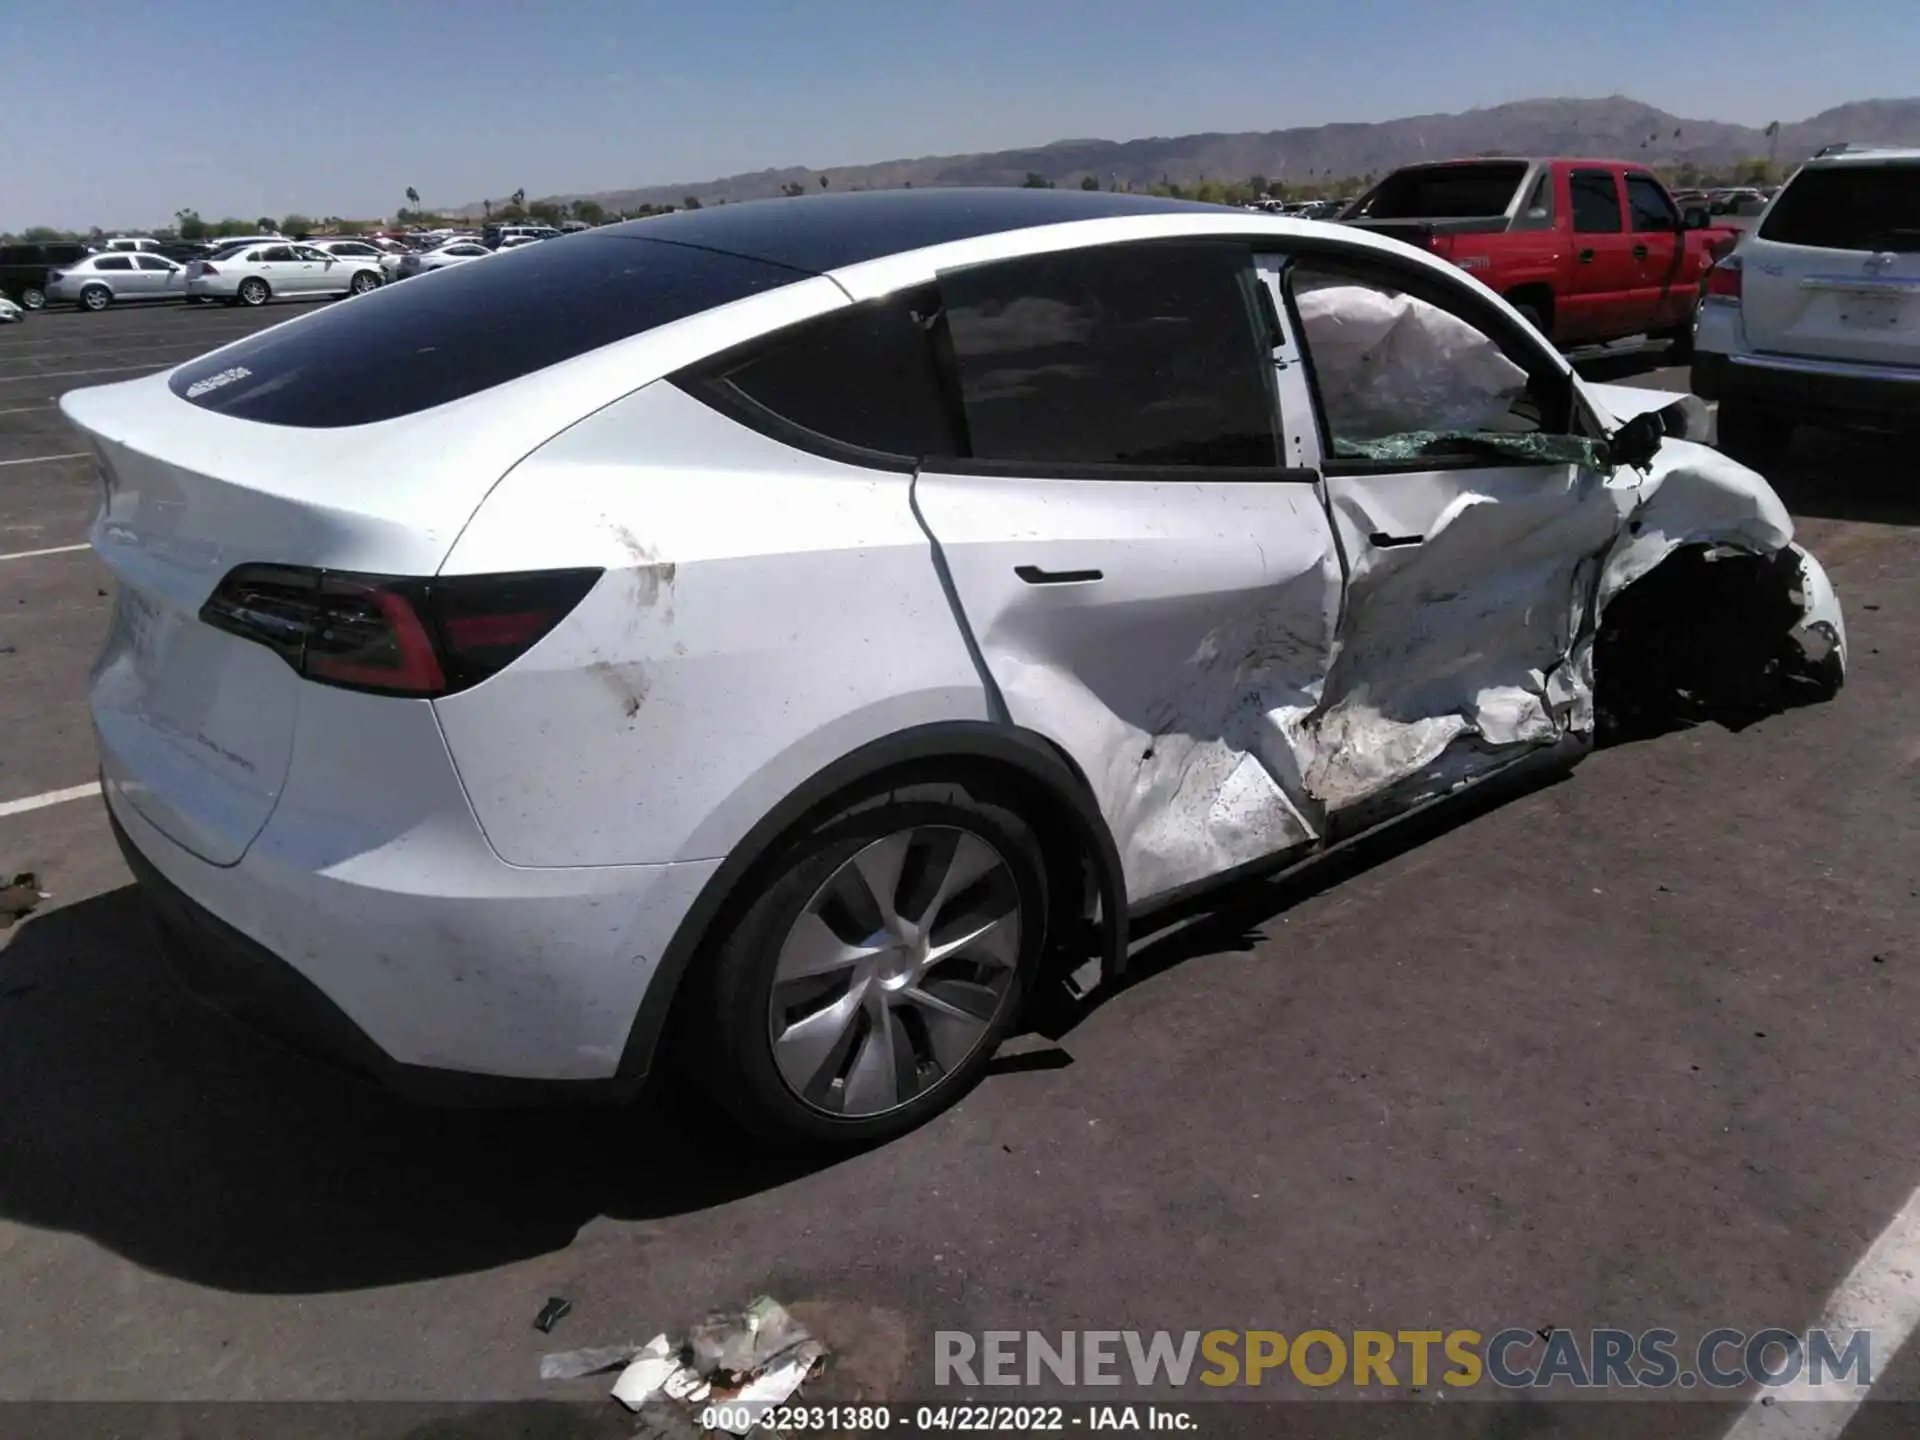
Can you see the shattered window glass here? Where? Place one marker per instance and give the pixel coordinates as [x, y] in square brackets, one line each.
[1402, 380]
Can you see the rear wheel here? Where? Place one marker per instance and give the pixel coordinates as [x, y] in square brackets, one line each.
[1754, 437]
[363, 281]
[1679, 337]
[253, 291]
[867, 985]
[96, 297]
[32, 297]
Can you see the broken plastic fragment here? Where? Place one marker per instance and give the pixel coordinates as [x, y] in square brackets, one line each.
[572, 1364]
[551, 1314]
[648, 1373]
[775, 1387]
[744, 1343]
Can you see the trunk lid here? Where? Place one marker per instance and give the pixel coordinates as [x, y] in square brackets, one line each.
[1833, 271]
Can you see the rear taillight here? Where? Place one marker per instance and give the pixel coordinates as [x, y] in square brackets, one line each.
[394, 636]
[1723, 279]
[206, 269]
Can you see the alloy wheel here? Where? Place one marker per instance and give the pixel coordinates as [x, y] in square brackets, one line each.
[892, 974]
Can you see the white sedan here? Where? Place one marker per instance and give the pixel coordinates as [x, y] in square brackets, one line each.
[806, 639]
[10, 313]
[255, 274]
[456, 253]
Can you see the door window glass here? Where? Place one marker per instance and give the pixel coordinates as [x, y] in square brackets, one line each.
[147, 262]
[1405, 383]
[1147, 355]
[113, 262]
[1596, 202]
[1653, 212]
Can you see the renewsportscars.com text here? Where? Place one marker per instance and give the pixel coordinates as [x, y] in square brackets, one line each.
[1511, 1359]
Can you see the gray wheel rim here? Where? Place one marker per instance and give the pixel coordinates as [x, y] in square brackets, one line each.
[362, 283]
[33, 299]
[892, 975]
[253, 292]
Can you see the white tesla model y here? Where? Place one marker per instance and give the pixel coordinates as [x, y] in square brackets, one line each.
[802, 629]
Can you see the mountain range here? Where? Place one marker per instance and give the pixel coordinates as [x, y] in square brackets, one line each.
[1614, 127]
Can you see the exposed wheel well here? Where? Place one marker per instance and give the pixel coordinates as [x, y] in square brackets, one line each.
[1707, 634]
[1020, 770]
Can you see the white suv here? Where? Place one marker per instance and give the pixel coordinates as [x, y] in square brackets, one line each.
[1815, 317]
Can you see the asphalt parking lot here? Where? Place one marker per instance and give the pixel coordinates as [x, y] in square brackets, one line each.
[1632, 1049]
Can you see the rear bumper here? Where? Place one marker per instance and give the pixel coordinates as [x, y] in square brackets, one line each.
[215, 285]
[1815, 392]
[370, 923]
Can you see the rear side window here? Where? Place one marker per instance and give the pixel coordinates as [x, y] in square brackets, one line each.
[1124, 355]
[863, 377]
[113, 262]
[148, 262]
[1449, 192]
[1596, 202]
[405, 348]
[1849, 207]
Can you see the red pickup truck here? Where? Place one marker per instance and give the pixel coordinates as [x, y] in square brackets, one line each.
[1588, 250]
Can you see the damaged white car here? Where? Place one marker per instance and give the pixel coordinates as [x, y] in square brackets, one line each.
[785, 636]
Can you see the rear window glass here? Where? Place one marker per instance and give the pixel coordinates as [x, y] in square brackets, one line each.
[1849, 207]
[437, 338]
[1450, 192]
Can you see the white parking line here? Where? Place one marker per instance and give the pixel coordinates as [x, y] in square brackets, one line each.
[52, 797]
[1882, 1296]
[50, 550]
[81, 340]
[63, 374]
[42, 459]
[27, 409]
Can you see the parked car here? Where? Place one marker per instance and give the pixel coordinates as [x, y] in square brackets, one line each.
[368, 251]
[97, 281]
[494, 236]
[10, 312]
[516, 712]
[24, 268]
[1589, 250]
[1815, 318]
[456, 252]
[130, 245]
[255, 274]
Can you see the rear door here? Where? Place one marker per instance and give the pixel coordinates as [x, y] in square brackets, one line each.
[1834, 269]
[1472, 526]
[1665, 296]
[275, 264]
[1604, 279]
[1145, 576]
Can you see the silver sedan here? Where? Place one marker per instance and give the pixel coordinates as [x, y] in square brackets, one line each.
[255, 274]
[100, 280]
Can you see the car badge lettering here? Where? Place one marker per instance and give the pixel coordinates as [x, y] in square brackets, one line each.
[214, 382]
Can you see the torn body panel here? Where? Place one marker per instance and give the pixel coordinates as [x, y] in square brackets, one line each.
[1178, 672]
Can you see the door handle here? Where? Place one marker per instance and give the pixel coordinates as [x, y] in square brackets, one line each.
[1640, 252]
[1034, 575]
[1381, 540]
[1586, 257]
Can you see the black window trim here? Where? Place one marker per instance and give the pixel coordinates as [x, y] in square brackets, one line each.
[1512, 337]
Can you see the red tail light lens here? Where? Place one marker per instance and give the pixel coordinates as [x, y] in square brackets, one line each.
[1724, 279]
[206, 269]
[393, 636]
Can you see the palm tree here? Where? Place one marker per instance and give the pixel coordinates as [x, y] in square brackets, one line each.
[413, 197]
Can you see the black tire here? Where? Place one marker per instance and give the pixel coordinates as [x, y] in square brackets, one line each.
[724, 1035]
[362, 282]
[253, 291]
[1756, 438]
[1679, 338]
[1531, 314]
[32, 297]
[95, 298]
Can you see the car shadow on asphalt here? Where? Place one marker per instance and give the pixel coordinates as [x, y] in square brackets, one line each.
[137, 1117]
[1873, 479]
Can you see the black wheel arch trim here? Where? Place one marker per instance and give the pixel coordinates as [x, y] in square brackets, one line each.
[1035, 757]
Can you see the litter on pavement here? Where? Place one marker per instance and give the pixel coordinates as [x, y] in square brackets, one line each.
[551, 1314]
[18, 897]
[733, 1366]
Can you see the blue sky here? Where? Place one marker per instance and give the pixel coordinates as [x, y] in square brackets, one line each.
[119, 112]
